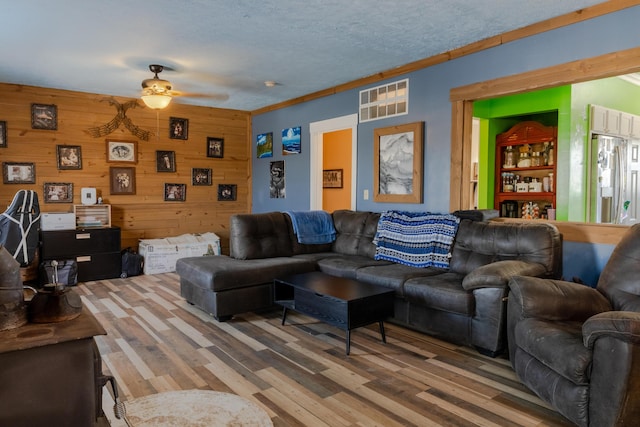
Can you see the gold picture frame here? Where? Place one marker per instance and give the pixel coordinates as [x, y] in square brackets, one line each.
[397, 163]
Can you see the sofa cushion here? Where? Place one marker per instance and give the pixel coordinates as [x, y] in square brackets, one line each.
[557, 345]
[264, 235]
[440, 292]
[355, 232]
[302, 248]
[219, 273]
[480, 243]
[346, 266]
[393, 275]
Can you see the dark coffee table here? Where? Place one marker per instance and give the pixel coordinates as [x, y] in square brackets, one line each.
[344, 303]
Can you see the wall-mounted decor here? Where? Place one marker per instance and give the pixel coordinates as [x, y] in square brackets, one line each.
[227, 192]
[69, 157]
[276, 182]
[175, 192]
[44, 116]
[165, 161]
[122, 151]
[122, 180]
[201, 176]
[18, 173]
[3, 134]
[264, 143]
[215, 147]
[58, 192]
[332, 178]
[120, 118]
[291, 140]
[397, 163]
[178, 128]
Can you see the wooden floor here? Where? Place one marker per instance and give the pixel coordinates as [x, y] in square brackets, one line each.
[299, 372]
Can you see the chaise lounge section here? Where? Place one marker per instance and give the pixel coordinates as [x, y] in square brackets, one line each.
[464, 304]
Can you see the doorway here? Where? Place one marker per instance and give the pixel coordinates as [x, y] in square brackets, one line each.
[317, 162]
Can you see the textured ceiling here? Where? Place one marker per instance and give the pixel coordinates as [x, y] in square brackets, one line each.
[227, 49]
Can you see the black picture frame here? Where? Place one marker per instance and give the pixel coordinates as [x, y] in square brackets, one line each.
[57, 192]
[3, 134]
[122, 180]
[18, 173]
[165, 161]
[227, 192]
[201, 176]
[215, 147]
[69, 157]
[174, 192]
[178, 128]
[44, 116]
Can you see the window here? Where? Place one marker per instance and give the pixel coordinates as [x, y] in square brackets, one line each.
[384, 101]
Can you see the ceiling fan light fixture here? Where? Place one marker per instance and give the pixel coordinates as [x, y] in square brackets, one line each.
[156, 102]
[156, 92]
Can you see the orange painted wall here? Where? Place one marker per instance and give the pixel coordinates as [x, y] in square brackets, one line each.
[337, 155]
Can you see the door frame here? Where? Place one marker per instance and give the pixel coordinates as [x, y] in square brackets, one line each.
[317, 131]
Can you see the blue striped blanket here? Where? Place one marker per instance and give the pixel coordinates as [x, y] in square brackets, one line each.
[418, 239]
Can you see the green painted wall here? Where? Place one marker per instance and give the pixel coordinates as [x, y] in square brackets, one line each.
[550, 107]
[572, 106]
[612, 92]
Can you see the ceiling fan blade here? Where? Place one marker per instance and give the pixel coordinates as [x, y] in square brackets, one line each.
[216, 96]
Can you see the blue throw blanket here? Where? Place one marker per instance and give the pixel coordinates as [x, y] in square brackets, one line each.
[417, 239]
[313, 227]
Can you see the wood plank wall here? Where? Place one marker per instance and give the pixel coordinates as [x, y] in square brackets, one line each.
[145, 214]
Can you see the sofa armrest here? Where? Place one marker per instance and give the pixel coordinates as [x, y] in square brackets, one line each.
[555, 299]
[621, 325]
[497, 274]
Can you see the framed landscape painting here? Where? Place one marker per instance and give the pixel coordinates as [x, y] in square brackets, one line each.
[397, 164]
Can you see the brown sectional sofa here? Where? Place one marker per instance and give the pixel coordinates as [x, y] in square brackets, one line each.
[465, 304]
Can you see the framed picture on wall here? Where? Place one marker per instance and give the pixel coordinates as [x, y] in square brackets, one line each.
[178, 128]
[18, 173]
[165, 161]
[264, 145]
[227, 192]
[69, 157]
[44, 116]
[332, 178]
[397, 164]
[291, 140]
[201, 176]
[58, 192]
[3, 134]
[215, 147]
[175, 192]
[119, 151]
[122, 180]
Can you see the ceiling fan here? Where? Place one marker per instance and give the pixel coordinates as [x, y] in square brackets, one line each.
[157, 93]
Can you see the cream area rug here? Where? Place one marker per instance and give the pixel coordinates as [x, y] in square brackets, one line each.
[195, 408]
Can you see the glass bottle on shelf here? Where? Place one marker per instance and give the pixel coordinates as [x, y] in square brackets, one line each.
[509, 157]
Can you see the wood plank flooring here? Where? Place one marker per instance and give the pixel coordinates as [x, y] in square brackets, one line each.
[299, 372]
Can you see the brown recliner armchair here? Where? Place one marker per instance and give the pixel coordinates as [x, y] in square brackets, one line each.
[578, 348]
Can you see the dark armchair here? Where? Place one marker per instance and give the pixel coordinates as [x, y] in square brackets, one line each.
[578, 348]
